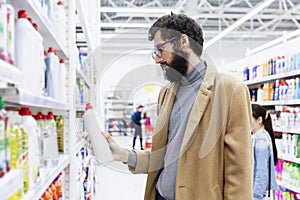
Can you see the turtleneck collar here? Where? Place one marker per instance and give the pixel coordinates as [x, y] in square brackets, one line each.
[195, 74]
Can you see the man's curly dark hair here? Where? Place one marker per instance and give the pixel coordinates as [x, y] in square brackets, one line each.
[177, 24]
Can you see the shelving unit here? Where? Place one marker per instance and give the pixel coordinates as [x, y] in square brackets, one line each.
[263, 59]
[9, 73]
[49, 174]
[12, 182]
[15, 97]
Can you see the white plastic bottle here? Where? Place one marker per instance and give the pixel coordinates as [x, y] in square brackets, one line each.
[50, 141]
[50, 71]
[24, 58]
[93, 126]
[10, 33]
[61, 20]
[62, 80]
[31, 128]
[3, 30]
[38, 50]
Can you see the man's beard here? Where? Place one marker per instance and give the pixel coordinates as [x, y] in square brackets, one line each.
[178, 67]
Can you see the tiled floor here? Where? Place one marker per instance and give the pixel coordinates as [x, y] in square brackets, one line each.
[116, 182]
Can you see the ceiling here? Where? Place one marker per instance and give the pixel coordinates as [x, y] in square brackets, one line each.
[125, 20]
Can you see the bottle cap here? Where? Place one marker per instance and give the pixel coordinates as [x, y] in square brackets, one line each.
[35, 26]
[22, 14]
[24, 111]
[60, 3]
[50, 50]
[61, 61]
[88, 106]
[30, 20]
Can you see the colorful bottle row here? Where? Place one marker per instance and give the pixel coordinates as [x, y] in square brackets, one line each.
[285, 194]
[55, 190]
[286, 117]
[281, 90]
[276, 65]
[289, 145]
[288, 174]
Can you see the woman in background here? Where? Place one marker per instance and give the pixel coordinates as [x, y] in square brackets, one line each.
[265, 153]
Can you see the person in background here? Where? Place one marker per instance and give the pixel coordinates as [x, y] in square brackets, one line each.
[136, 119]
[201, 147]
[146, 119]
[265, 153]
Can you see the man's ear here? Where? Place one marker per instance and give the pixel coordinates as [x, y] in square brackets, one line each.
[184, 41]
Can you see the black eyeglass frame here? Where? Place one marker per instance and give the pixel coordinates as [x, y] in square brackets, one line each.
[157, 51]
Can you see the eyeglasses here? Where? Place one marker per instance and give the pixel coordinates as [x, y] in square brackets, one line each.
[158, 49]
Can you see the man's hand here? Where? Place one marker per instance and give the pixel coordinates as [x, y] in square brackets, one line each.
[119, 153]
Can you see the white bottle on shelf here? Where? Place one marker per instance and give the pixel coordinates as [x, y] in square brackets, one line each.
[62, 80]
[50, 146]
[3, 30]
[10, 33]
[61, 21]
[31, 128]
[52, 74]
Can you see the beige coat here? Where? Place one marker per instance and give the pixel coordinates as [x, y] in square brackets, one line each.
[216, 159]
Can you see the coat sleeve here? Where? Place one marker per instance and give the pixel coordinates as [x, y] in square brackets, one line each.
[143, 157]
[238, 152]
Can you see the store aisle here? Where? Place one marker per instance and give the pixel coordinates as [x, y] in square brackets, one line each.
[116, 182]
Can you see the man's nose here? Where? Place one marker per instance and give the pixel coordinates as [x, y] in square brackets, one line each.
[158, 59]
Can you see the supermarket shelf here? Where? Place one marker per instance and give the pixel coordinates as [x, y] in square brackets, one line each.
[119, 107]
[80, 108]
[79, 145]
[46, 27]
[279, 103]
[287, 130]
[9, 73]
[292, 188]
[19, 97]
[289, 158]
[118, 101]
[80, 74]
[273, 77]
[47, 179]
[11, 181]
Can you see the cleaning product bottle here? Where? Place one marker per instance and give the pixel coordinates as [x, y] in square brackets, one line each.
[50, 70]
[10, 33]
[39, 61]
[40, 125]
[3, 124]
[24, 39]
[99, 143]
[60, 132]
[50, 141]
[62, 80]
[3, 30]
[31, 127]
[61, 21]
[56, 84]
[260, 94]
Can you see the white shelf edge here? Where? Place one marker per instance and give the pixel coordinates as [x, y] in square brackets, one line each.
[273, 77]
[118, 101]
[22, 98]
[282, 102]
[119, 108]
[12, 181]
[286, 130]
[80, 108]
[80, 74]
[48, 178]
[288, 186]
[84, 24]
[9, 73]
[46, 27]
[289, 158]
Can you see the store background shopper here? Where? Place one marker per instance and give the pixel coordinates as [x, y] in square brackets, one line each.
[265, 152]
[136, 119]
[201, 148]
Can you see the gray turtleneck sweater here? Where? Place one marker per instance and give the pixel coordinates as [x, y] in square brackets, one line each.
[185, 97]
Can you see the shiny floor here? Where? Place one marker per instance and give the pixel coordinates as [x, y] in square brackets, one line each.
[116, 182]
